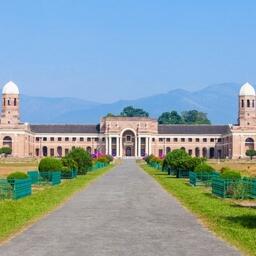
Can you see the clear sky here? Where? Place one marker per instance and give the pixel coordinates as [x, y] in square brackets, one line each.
[109, 50]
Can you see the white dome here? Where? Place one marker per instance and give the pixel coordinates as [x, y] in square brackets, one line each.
[247, 90]
[10, 88]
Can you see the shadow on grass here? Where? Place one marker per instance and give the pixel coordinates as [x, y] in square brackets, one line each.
[247, 221]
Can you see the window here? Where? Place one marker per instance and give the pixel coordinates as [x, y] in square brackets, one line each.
[15, 102]
[161, 139]
[153, 139]
[66, 151]
[37, 151]
[182, 139]
[175, 139]
[8, 102]
[59, 139]
[219, 139]
[242, 103]
[67, 139]
[190, 139]
[128, 138]
[44, 139]
[74, 139]
[52, 139]
[168, 140]
[88, 139]
[204, 139]
[248, 103]
[37, 138]
[81, 139]
[96, 139]
[103, 139]
[160, 152]
[190, 152]
[212, 139]
[168, 149]
[197, 140]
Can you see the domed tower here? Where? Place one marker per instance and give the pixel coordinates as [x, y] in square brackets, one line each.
[247, 106]
[10, 104]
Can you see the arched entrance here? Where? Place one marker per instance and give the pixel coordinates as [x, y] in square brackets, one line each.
[128, 143]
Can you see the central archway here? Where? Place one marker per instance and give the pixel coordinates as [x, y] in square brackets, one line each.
[128, 143]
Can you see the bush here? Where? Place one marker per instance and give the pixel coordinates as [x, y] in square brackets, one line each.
[194, 162]
[110, 158]
[5, 150]
[17, 176]
[82, 159]
[65, 170]
[50, 164]
[69, 162]
[147, 159]
[230, 174]
[204, 167]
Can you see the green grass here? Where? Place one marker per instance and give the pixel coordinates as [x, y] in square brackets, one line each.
[15, 215]
[230, 221]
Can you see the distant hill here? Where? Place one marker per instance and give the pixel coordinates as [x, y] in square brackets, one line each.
[219, 101]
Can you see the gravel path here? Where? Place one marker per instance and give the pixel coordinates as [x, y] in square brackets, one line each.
[124, 213]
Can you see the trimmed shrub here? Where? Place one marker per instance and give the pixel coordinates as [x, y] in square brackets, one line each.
[17, 176]
[50, 164]
[204, 167]
[82, 159]
[194, 162]
[230, 175]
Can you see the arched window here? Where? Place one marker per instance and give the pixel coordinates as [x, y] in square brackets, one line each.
[160, 153]
[8, 102]
[242, 103]
[45, 151]
[197, 152]
[59, 151]
[4, 101]
[249, 143]
[89, 150]
[7, 141]
[168, 149]
[204, 152]
[212, 152]
[248, 103]
[15, 102]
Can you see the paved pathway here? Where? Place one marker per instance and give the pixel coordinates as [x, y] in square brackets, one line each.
[124, 213]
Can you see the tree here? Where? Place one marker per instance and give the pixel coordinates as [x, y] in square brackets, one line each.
[195, 117]
[82, 158]
[170, 118]
[130, 111]
[251, 153]
[178, 160]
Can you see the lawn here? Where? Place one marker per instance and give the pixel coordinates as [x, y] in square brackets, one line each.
[245, 167]
[234, 223]
[15, 215]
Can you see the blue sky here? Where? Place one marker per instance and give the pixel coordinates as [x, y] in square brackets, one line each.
[109, 50]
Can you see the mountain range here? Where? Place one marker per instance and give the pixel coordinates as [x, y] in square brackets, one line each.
[219, 101]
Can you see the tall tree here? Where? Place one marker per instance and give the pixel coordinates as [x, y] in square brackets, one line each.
[170, 118]
[195, 117]
[130, 111]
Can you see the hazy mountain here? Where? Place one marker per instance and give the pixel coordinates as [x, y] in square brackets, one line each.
[219, 101]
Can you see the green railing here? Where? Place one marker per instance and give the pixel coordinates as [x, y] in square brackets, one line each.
[21, 188]
[71, 174]
[50, 177]
[34, 176]
[202, 178]
[155, 165]
[5, 189]
[239, 189]
[98, 165]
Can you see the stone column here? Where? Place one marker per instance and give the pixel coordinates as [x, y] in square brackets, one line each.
[149, 145]
[121, 147]
[106, 145]
[146, 145]
[136, 146]
[117, 146]
[110, 145]
[139, 147]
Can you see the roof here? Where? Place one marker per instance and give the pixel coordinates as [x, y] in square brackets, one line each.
[65, 128]
[10, 88]
[247, 90]
[193, 129]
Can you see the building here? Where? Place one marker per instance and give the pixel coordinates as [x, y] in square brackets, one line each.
[128, 136]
